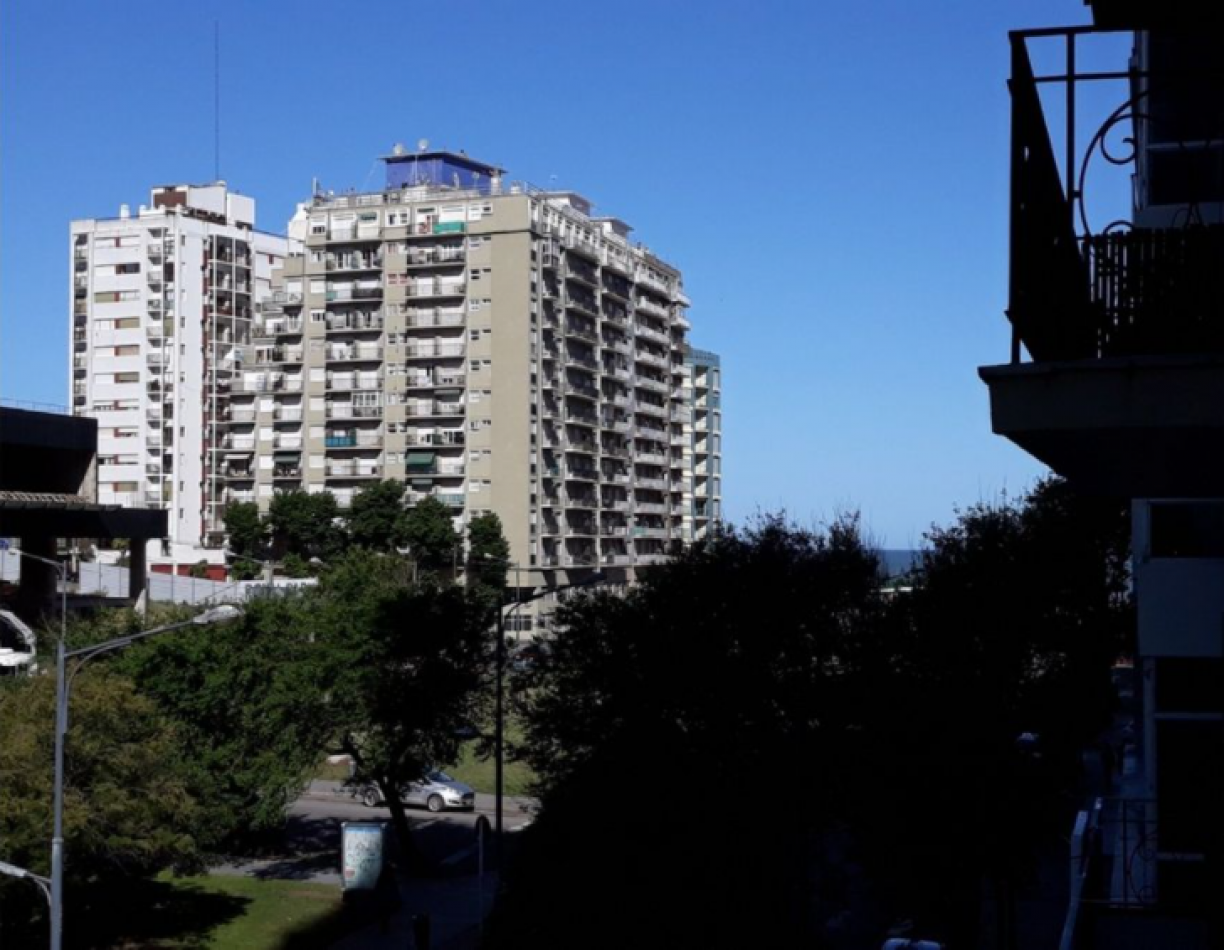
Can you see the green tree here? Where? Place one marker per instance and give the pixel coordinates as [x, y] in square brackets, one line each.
[247, 532]
[245, 528]
[129, 811]
[880, 733]
[407, 664]
[376, 516]
[1019, 609]
[248, 701]
[721, 676]
[429, 532]
[306, 524]
[488, 557]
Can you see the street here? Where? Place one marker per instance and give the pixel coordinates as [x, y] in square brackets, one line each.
[312, 835]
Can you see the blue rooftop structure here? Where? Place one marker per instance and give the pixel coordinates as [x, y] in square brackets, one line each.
[438, 169]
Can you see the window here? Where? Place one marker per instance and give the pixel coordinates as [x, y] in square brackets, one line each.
[318, 316]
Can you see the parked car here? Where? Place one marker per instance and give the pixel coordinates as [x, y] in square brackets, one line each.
[436, 791]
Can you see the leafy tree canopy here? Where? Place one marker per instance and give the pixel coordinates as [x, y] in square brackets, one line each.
[376, 516]
[429, 532]
[248, 700]
[406, 667]
[129, 809]
[246, 529]
[305, 524]
[488, 552]
[878, 733]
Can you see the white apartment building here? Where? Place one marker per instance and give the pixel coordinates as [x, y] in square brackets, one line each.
[161, 305]
[496, 346]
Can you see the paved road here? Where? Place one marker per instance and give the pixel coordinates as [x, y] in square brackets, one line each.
[312, 841]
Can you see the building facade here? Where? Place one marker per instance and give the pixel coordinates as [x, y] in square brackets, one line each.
[495, 346]
[703, 384]
[162, 304]
[1122, 392]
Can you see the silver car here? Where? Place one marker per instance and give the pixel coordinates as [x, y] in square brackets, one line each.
[436, 791]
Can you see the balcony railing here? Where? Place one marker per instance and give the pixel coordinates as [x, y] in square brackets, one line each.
[354, 412]
[1117, 290]
[438, 289]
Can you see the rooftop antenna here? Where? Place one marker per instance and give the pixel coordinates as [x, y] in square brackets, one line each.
[216, 100]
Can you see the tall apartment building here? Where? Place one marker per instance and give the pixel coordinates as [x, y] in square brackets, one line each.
[162, 303]
[498, 347]
[1123, 393]
[703, 384]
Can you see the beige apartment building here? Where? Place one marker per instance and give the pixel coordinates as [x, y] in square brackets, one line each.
[498, 347]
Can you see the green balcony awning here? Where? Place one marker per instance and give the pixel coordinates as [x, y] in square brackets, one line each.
[286, 455]
[422, 483]
[420, 461]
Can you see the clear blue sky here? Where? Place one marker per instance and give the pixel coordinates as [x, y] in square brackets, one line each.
[831, 178]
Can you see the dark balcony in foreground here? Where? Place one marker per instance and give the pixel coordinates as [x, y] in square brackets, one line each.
[1123, 320]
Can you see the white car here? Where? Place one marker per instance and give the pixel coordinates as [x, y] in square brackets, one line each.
[436, 791]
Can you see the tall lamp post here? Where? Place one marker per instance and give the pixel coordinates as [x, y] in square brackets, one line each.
[61, 569]
[499, 709]
[63, 685]
[44, 883]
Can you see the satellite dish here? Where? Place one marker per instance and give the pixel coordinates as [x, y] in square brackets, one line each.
[398, 148]
[422, 144]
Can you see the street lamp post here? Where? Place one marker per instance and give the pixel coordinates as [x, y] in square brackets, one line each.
[499, 710]
[44, 883]
[57, 834]
[63, 684]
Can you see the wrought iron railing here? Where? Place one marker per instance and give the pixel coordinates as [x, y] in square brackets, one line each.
[1079, 292]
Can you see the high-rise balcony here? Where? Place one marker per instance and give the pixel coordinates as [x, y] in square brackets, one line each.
[424, 409]
[650, 282]
[355, 322]
[353, 439]
[651, 307]
[585, 248]
[574, 386]
[424, 350]
[354, 469]
[432, 317]
[423, 290]
[1121, 320]
[352, 262]
[582, 303]
[345, 411]
[355, 353]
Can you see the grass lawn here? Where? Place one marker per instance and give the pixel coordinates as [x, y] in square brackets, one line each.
[238, 913]
[479, 773]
